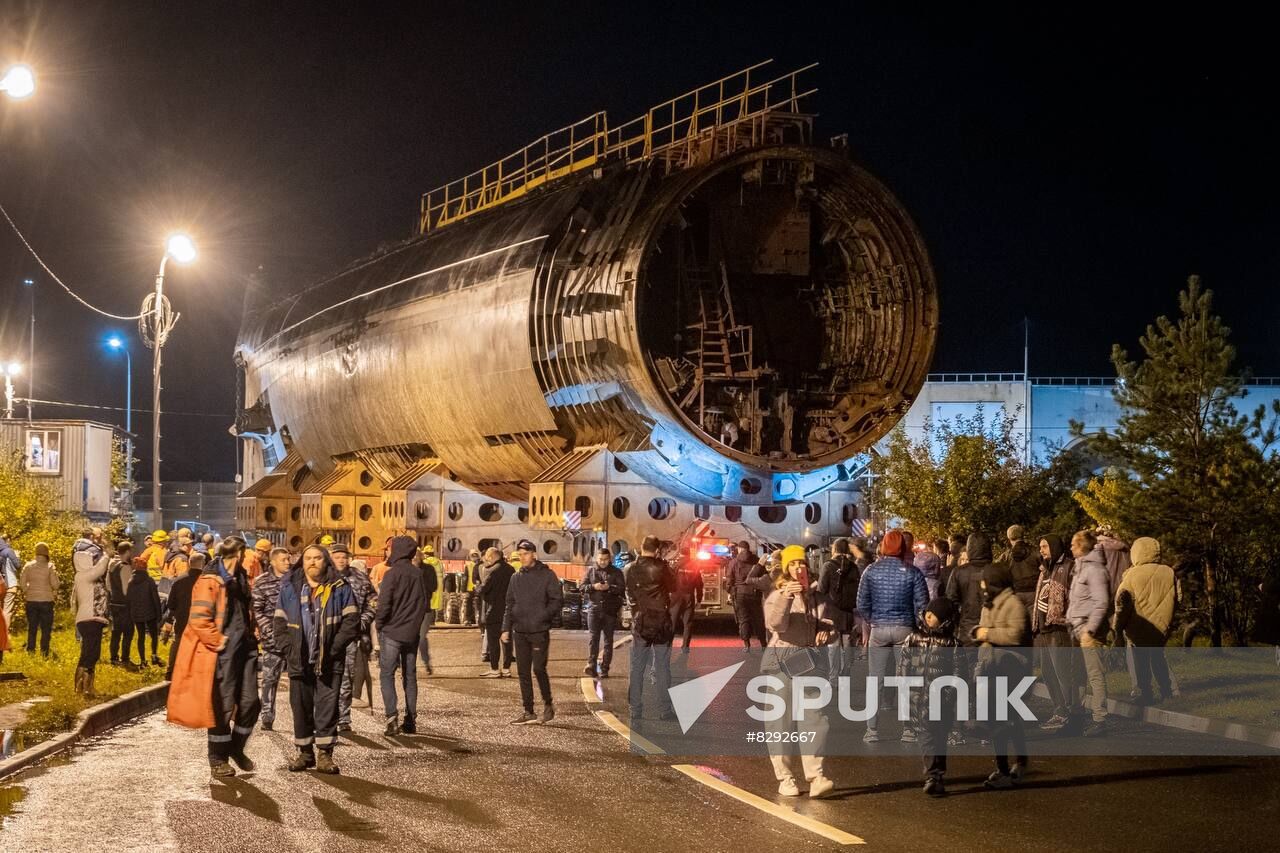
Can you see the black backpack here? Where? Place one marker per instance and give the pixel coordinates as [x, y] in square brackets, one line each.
[845, 591]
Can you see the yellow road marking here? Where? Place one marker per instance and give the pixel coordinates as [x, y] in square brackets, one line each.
[589, 690]
[779, 811]
[637, 741]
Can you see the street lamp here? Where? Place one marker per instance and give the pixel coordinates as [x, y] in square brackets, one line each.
[31, 354]
[116, 343]
[156, 309]
[11, 370]
[18, 82]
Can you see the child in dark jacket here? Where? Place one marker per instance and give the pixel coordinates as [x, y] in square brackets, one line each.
[144, 611]
[930, 652]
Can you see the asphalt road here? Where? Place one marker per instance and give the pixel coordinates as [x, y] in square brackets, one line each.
[472, 782]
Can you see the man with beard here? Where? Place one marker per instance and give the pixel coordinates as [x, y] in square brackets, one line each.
[315, 621]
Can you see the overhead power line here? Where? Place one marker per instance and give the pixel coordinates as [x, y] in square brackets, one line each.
[53, 276]
[121, 408]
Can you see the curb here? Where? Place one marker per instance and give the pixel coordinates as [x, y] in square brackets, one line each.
[92, 721]
[1187, 722]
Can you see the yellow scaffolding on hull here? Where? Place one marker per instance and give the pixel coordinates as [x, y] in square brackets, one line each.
[711, 121]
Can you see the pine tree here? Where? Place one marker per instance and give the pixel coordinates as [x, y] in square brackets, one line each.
[1190, 469]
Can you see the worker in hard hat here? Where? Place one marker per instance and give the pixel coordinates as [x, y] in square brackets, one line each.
[326, 541]
[433, 579]
[258, 559]
[153, 558]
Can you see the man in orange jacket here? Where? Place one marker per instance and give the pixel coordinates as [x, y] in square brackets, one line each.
[215, 678]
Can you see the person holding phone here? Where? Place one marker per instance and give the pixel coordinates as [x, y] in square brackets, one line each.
[798, 627]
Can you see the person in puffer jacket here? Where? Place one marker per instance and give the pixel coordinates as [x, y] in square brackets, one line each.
[315, 621]
[1005, 632]
[890, 595]
[1144, 611]
[1089, 603]
[930, 653]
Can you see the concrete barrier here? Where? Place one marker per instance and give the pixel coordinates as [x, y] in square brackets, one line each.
[91, 722]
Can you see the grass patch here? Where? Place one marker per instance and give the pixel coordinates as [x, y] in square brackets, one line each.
[55, 677]
[1239, 685]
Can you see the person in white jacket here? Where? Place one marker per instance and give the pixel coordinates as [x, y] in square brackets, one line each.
[89, 599]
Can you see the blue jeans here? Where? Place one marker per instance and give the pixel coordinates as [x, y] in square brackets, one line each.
[881, 656]
[643, 656]
[405, 656]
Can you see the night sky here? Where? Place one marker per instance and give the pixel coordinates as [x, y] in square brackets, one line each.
[1070, 169]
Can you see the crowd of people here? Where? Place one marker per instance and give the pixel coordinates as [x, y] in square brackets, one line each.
[955, 607]
[240, 618]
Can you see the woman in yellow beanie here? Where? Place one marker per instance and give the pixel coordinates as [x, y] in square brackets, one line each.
[797, 625]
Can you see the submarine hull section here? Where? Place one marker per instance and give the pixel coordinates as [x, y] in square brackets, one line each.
[735, 332]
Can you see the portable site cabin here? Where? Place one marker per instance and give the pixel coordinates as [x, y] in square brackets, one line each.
[74, 456]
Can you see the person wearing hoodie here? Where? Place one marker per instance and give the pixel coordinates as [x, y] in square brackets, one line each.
[746, 580]
[403, 600]
[89, 599]
[965, 591]
[144, 611]
[1089, 604]
[1004, 631]
[534, 597]
[215, 675]
[1024, 565]
[798, 627]
[496, 573]
[315, 621]
[891, 596]
[930, 653]
[1051, 633]
[39, 585]
[1145, 602]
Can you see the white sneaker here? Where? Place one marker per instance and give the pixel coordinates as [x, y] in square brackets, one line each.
[821, 787]
[490, 673]
[788, 788]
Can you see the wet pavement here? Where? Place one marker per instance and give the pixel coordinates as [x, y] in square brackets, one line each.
[472, 782]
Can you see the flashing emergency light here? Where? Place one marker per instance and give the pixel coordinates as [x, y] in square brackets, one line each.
[704, 555]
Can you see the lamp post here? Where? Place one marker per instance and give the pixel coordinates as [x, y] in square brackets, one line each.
[18, 82]
[162, 319]
[11, 370]
[117, 344]
[31, 351]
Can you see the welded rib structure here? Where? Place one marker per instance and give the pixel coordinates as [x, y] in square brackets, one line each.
[735, 331]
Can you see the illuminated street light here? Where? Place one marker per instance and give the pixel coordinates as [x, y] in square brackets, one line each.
[116, 343]
[181, 249]
[18, 82]
[11, 370]
[156, 309]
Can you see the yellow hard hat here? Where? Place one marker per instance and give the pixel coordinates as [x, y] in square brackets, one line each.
[262, 545]
[326, 540]
[428, 549]
[791, 553]
[160, 536]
